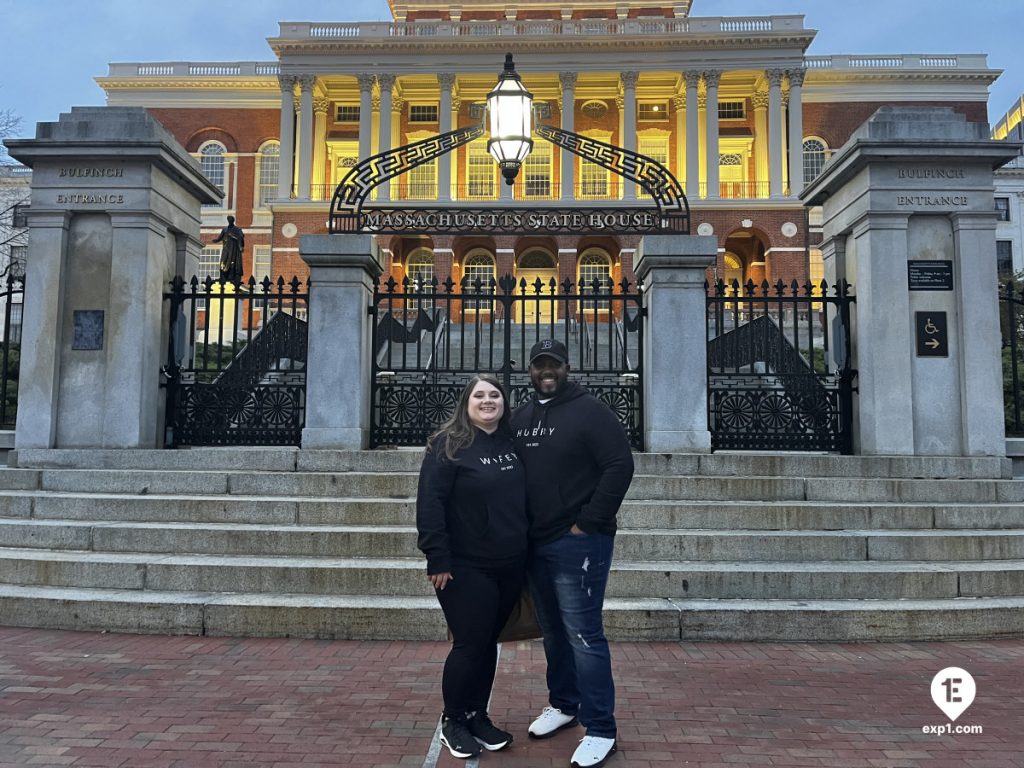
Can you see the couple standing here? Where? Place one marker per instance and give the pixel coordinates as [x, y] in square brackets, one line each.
[529, 495]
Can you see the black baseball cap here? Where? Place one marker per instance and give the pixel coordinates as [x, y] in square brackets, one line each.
[551, 348]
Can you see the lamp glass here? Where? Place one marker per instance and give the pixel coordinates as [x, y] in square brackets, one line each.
[510, 107]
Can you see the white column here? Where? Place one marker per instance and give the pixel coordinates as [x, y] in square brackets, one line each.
[444, 163]
[284, 179]
[692, 136]
[678, 165]
[796, 132]
[365, 115]
[775, 130]
[386, 83]
[761, 138]
[320, 180]
[305, 135]
[711, 79]
[568, 175]
[629, 80]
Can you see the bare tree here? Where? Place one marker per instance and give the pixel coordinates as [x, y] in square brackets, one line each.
[14, 193]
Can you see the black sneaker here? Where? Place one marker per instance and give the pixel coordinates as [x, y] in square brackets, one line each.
[484, 731]
[455, 735]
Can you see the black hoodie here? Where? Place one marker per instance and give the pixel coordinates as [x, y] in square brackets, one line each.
[472, 508]
[578, 463]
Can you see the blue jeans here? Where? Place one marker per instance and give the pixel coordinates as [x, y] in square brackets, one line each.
[568, 578]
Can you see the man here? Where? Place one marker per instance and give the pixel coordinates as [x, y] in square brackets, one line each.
[233, 240]
[578, 468]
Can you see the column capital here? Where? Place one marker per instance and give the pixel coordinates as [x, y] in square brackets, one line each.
[297, 101]
[568, 80]
[620, 102]
[759, 99]
[375, 103]
[692, 79]
[446, 80]
[679, 102]
[365, 83]
[712, 77]
[398, 104]
[785, 99]
[775, 77]
[287, 83]
[385, 81]
[306, 82]
[796, 77]
[702, 101]
[321, 105]
[456, 102]
[629, 79]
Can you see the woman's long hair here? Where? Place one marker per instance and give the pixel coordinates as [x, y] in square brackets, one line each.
[458, 429]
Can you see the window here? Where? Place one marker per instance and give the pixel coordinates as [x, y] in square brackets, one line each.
[815, 155]
[478, 266]
[422, 183]
[1004, 258]
[20, 215]
[14, 331]
[346, 113]
[652, 111]
[536, 259]
[261, 262]
[656, 148]
[269, 172]
[209, 266]
[1003, 208]
[594, 277]
[211, 158]
[537, 171]
[423, 113]
[731, 110]
[481, 170]
[420, 271]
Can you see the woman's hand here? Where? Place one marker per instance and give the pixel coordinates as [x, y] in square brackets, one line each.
[439, 580]
[577, 531]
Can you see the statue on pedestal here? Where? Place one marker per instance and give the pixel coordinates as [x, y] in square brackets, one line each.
[233, 243]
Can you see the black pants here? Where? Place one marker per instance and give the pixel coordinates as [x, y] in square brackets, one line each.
[476, 604]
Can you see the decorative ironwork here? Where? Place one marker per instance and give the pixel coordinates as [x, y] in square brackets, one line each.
[779, 374]
[351, 213]
[653, 177]
[236, 363]
[1011, 321]
[355, 188]
[430, 339]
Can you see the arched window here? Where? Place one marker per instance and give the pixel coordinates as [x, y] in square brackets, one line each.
[733, 273]
[211, 157]
[536, 259]
[478, 277]
[594, 275]
[420, 271]
[595, 265]
[269, 172]
[815, 154]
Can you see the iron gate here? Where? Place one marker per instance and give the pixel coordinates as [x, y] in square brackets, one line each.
[13, 298]
[1011, 323]
[779, 371]
[236, 362]
[428, 339]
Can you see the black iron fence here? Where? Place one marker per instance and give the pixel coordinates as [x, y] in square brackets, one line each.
[13, 297]
[779, 369]
[1011, 321]
[429, 338]
[236, 362]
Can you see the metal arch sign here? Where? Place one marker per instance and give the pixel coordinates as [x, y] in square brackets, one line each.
[510, 221]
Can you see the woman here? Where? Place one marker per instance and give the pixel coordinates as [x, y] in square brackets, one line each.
[471, 518]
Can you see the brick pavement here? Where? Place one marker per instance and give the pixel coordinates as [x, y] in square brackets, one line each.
[85, 699]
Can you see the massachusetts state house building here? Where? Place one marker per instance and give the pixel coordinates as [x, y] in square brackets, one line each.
[736, 108]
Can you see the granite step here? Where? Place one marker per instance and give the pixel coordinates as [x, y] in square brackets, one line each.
[419, 618]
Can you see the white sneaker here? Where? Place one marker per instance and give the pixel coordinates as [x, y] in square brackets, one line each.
[550, 722]
[592, 752]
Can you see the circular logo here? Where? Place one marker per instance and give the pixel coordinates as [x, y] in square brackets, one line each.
[789, 229]
[289, 230]
[705, 229]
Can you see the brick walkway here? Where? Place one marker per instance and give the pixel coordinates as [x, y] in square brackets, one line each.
[71, 698]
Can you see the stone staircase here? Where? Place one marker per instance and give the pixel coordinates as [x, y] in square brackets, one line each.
[286, 542]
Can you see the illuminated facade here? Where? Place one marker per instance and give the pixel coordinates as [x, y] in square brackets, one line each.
[735, 107]
[1010, 196]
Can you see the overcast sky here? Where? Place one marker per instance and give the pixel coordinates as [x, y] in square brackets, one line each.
[51, 50]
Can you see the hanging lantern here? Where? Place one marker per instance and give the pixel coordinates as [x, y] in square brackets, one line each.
[510, 107]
